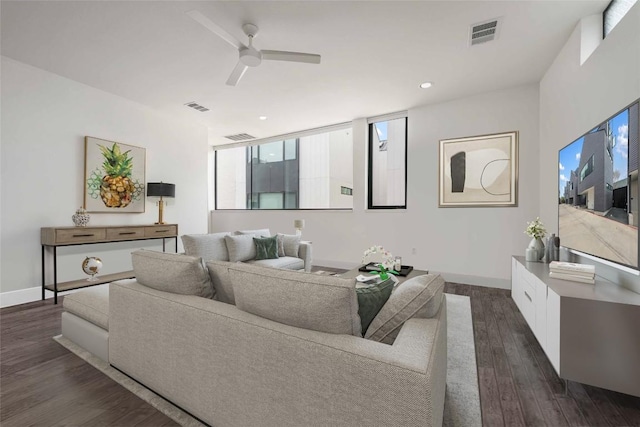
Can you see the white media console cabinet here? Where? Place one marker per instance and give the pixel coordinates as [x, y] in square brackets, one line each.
[590, 333]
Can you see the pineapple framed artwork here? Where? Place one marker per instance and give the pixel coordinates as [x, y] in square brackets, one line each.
[114, 177]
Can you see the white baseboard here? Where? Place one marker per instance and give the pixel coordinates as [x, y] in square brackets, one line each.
[23, 296]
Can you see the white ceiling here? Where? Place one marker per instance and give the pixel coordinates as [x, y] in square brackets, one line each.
[374, 54]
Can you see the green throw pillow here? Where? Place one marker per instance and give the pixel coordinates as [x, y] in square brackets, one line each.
[266, 247]
[371, 300]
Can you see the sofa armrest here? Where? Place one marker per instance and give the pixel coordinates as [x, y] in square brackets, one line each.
[305, 252]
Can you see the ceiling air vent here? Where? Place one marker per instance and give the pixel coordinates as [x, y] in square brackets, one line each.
[196, 106]
[483, 32]
[240, 137]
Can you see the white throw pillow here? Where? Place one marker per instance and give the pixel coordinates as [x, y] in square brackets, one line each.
[241, 247]
[288, 245]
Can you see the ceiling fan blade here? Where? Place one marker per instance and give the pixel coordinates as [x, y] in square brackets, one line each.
[236, 74]
[214, 28]
[279, 55]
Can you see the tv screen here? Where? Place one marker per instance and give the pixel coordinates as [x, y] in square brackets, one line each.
[598, 190]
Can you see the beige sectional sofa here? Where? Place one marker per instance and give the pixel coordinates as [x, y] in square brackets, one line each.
[285, 349]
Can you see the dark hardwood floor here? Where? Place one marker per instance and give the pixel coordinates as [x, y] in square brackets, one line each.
[41, 383]
[518, 385]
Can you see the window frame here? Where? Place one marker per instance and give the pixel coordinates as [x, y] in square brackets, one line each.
[604, 19]
[249, 149]
[370, 172]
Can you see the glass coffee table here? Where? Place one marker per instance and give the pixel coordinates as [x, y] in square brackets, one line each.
[352, 274]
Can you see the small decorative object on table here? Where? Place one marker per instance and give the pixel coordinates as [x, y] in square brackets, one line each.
[81, 217]
[535, 229]
[387, 264]
[91, 266]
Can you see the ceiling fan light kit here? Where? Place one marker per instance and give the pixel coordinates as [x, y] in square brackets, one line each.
[249, 56]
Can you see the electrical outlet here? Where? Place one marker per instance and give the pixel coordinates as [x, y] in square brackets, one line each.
[414, 251]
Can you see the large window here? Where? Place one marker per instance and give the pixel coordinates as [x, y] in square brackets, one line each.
[616, 10]
[308, 172]
[387, 186]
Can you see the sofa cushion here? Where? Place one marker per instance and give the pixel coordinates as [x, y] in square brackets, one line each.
[219, 275]
[371, 299]
[241, 247]
[266, 247]
[175, 273]
[263, 232]
[91, 304]
[304, 300]
[206, 246]
[418, 297]
[286, 262]
[288, 244]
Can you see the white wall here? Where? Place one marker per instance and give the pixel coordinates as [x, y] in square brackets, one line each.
[44, 120]
[473, 245]
[574, 98]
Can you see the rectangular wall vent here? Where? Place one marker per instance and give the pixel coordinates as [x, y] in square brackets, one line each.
[196, 106]
[483, 32]
[240, 137]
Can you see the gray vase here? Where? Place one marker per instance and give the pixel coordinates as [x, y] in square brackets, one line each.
[537, 245]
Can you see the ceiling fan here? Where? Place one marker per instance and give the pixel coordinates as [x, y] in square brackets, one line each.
[249, 56]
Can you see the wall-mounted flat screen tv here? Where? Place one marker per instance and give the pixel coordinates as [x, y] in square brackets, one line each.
[598, 190]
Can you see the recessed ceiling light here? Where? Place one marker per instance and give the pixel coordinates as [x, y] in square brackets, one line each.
[426, 85]
[263, 117]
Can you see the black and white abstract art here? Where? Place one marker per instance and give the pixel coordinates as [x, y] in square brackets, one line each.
[479, 171]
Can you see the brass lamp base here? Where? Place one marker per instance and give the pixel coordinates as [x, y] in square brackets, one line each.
[160, 211]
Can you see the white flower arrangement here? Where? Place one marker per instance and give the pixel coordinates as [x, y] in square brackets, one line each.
[388, 258]
[535, 229]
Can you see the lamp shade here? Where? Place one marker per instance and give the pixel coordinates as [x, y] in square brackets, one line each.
[298, 224]
[161, 189]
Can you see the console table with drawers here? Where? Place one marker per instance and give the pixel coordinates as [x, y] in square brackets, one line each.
[53, 237]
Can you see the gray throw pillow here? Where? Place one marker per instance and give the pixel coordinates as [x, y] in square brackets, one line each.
[241, 247]
[418, 297]
[288, 245]
[175, 273]
[266, 247]
[371, 299]
[207, 246]
[304, 300]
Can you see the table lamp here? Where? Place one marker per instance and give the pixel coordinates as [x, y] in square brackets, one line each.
[160, 189]
[298, 224]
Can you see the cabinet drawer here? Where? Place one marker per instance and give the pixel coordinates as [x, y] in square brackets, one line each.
[525, 299]
[80, 235]
[125, 233]
[159, 231]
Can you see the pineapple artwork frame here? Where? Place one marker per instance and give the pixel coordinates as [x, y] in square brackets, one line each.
[114, 176]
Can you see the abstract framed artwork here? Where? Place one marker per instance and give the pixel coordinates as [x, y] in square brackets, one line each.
[114, 177]
[479, 171]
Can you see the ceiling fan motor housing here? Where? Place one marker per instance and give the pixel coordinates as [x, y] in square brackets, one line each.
[250, 57]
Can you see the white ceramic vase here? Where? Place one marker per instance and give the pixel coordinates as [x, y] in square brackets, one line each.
[538, 245]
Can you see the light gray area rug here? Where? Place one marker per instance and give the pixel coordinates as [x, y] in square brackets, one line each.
[462, 401]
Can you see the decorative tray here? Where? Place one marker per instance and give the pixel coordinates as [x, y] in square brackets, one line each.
[404, 271]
